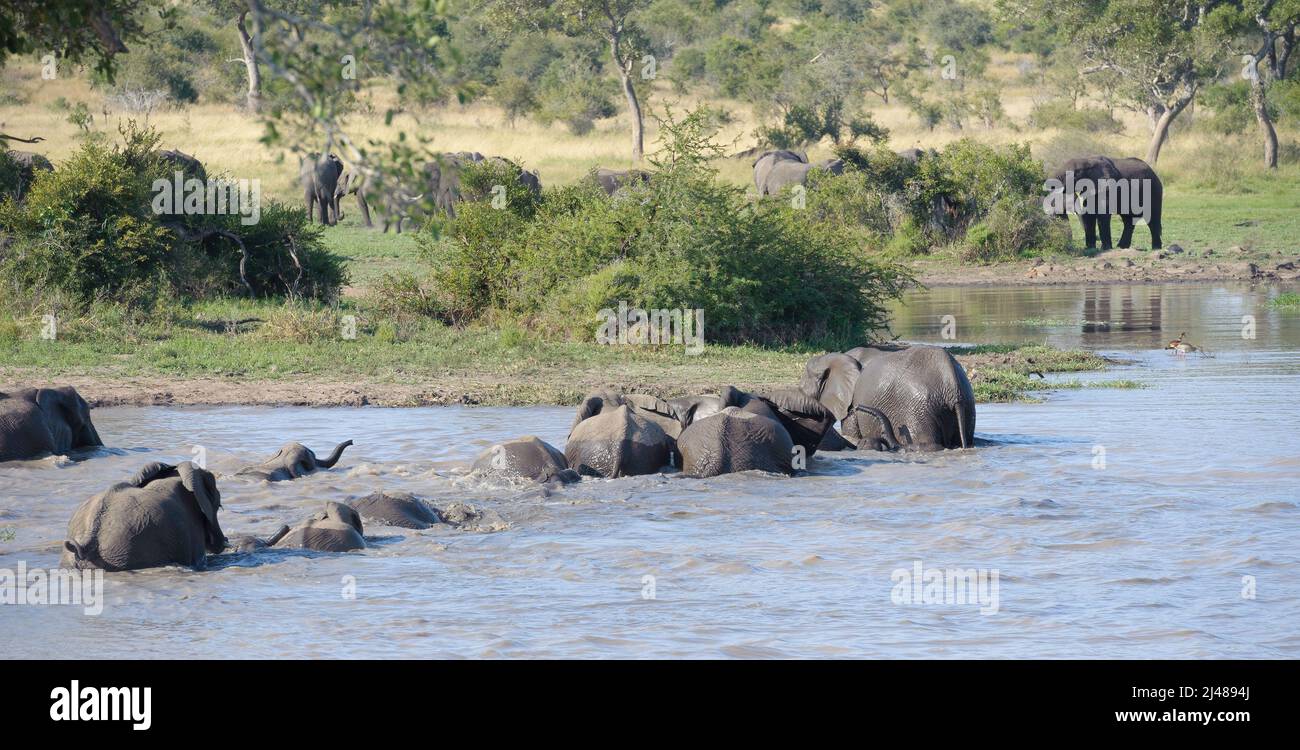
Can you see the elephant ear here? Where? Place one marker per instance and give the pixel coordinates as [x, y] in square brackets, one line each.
[203, 488]
[833, 379]
[592, 405]
[150, 472]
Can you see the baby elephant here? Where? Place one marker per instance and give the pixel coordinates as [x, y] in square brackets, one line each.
[336, 529]
[528, 457]
[164, 515]
[292, 461]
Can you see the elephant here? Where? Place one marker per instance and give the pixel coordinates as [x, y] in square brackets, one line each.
[767, 162]
[336, 529]
[912, 155]
[651, 407]
[802, 416]
[401, 509]
[527, 457]
[28, 164]
[611, 180]
[916, 398]
[530, 180]
[164, 515]
[735, 440]
[773, 175]
[186, 164]
[37, 421]
[618, 442]
[1115, 182]
[319, 178]
[292, 461]
[255, 543]
[831, 378]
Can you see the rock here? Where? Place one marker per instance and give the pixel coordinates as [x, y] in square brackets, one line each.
[1128, 263]
[1288, 266]
[1106, 266]
[1175, 249]
[1162, 255]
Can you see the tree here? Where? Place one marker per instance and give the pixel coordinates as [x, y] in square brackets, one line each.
[611, 21]
[1265, 31]
[76, 31]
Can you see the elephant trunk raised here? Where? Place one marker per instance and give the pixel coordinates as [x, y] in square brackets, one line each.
[328, 463]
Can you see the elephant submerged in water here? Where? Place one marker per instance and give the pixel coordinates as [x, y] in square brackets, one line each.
[164, 515]
[39, 421]
[338, 528]
[912, 397]
[528, 457]
[293, 460]
[617, 435]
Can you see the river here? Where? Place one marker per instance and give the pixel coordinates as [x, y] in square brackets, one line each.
[1156, 522]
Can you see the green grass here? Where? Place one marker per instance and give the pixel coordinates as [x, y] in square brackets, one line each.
[1285, 301]
[371, 253]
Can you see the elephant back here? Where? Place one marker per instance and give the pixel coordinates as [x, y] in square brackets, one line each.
[735, 440]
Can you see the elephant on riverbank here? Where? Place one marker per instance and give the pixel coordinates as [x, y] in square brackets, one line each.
[733, 440]
[1127, 187]
[338, 528]
[39, 421]
[319, 177]
[164, 515]
[528, 457]
[915, 398]
[611, 180]
[292, 461]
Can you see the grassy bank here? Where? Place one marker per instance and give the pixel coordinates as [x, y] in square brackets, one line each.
[242, 352]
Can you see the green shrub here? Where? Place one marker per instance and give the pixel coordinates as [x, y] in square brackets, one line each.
[1061, 113]
[1013, 228]
[479, 180]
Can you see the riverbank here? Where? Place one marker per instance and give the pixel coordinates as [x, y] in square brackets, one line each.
[1173, 264]
[358, 373]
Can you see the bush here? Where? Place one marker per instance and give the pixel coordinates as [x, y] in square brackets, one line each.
[1015, 227]
[1061, 113]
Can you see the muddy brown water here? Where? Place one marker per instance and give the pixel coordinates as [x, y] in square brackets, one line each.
[1145, 555]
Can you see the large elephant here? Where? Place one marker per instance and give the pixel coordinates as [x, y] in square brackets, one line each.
[401, 509]
[777, 170]
[528, 457]
[37, 421]
[735, 440]
[164, 515]
[611, 180]
[338, 528]
[319, 178]
[916, 398]
[831, 378]
[1126, 187]
[292, 461]
[619, 442]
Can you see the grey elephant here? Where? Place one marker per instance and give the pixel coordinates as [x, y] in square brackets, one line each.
[401, 509]
[735, 440]
[164, 515]
[338, 528]
[775, 171]
[39, 421]
[618, 442]
[528, 457]
[1109, 177]
[188, 165]
[802, 416]
[916, 397]
[611, 180]
[28, 163]
[530, 180]
[319, 177]
[293, 460]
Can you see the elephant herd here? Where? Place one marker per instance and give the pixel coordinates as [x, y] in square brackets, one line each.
[326, 181]
[885, 397]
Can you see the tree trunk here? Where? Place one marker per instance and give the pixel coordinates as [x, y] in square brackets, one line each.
[1161, 130]
[1260, 105]
[250, 62]
[629, 91]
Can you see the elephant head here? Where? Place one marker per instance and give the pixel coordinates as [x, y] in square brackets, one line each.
[527, 457]
[401, 509]
[336, 529]
[36, 421]
[164, 515]
[293, 460]
[831, 378]
[1095, 170]
[735, 440]
[188, 165]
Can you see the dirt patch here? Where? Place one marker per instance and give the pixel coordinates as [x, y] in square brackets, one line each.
[1118, 267]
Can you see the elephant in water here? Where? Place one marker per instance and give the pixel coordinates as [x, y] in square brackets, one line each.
[401, 509]
[917, 398]
[527, 457]
[611, 180]
[37, 421]
[1109, 176]
[804, 419]
[735, 440]
[336, 529]
[292, 461]
[319, 178]
[164, 515]
[622, 439]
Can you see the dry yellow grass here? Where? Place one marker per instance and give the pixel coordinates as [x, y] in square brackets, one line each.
[226, 138]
